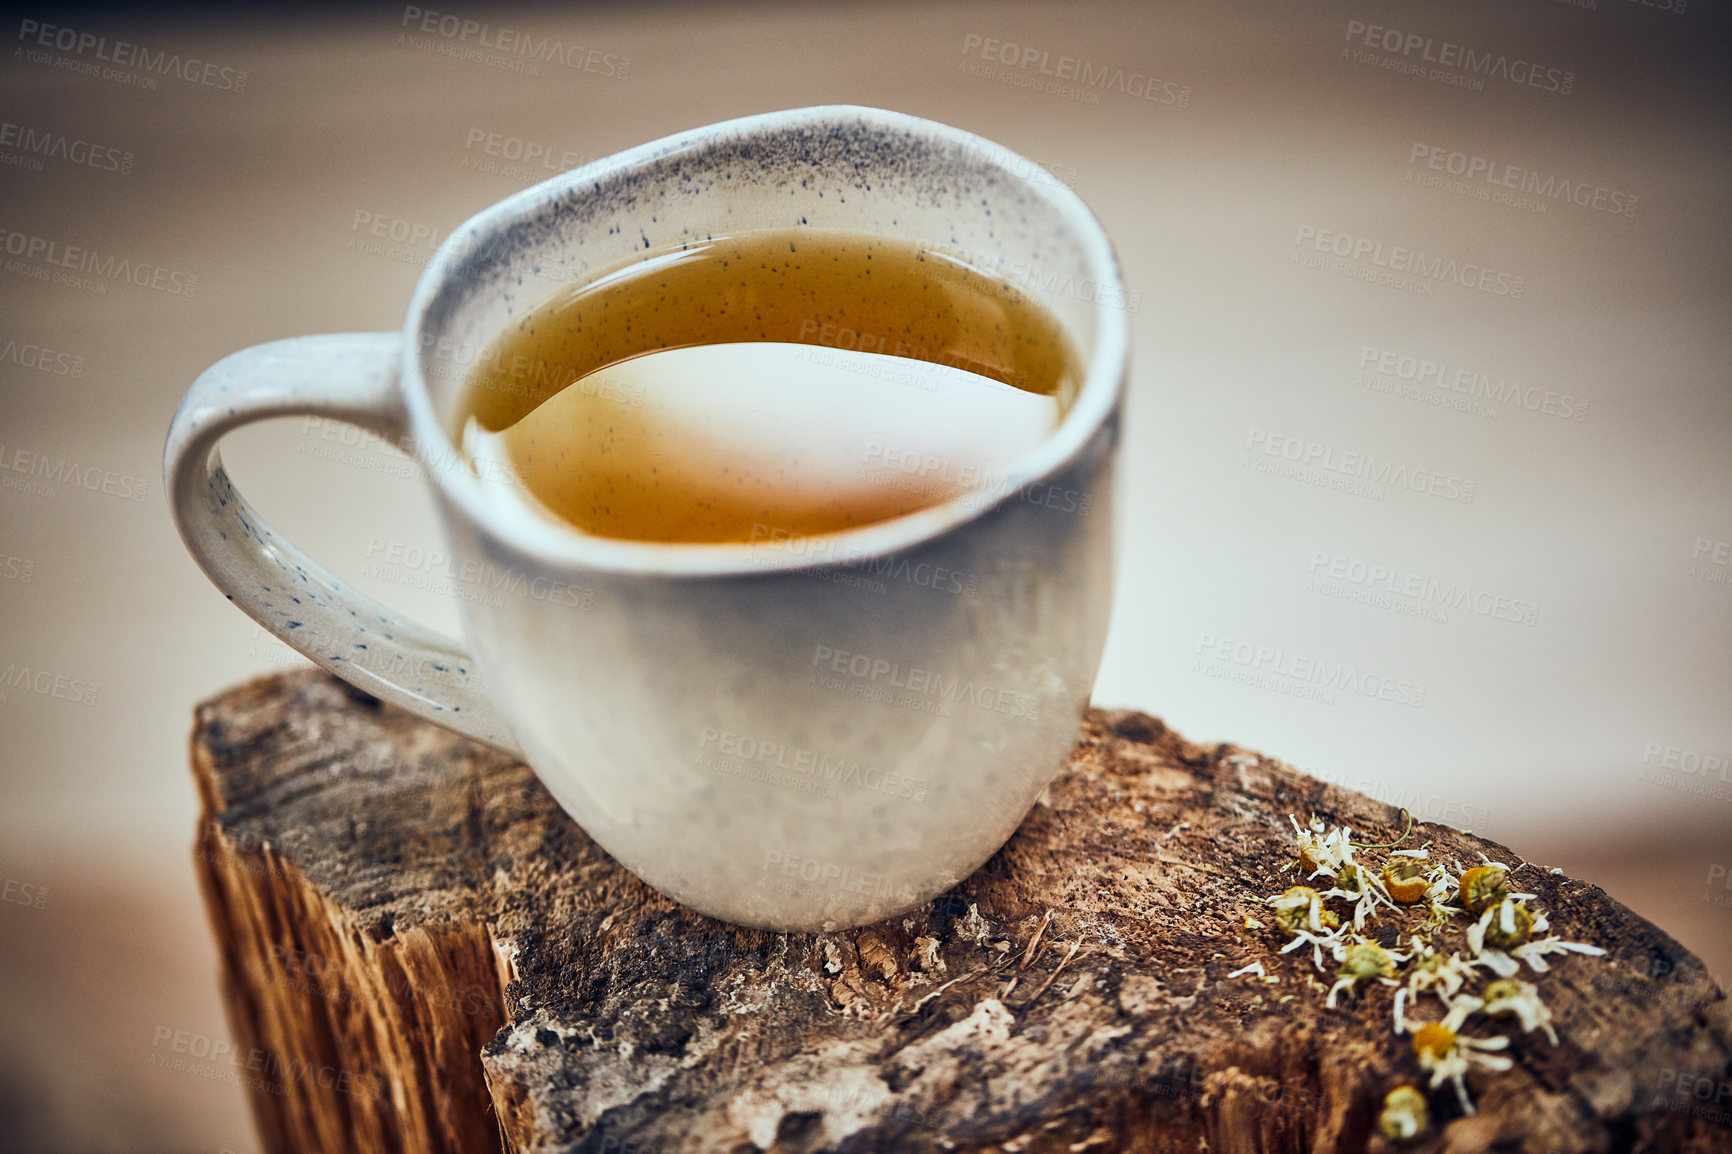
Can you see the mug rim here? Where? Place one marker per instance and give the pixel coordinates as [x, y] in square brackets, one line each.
[551, 543]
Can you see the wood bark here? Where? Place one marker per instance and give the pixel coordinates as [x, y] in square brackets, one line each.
[422, 952]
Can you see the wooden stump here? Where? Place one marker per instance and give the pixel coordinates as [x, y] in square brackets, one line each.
[421, 952]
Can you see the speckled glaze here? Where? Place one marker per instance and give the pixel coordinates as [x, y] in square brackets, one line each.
[809, 735]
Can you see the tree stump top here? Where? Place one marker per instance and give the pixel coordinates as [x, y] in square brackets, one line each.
[410, 910]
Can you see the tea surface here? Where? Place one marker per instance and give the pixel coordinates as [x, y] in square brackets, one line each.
[769, 384]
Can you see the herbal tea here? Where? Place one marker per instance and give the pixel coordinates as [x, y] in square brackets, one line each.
[774, 383]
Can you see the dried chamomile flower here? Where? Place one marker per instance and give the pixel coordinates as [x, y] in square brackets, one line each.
[1508, 996]
[1406, 878]
[1483, 887]
[1322, 851]
[1405, 1114]
[1431, 974]
[1309, 838]
[1448, 1056]
[1300, 908]
[1362, 962]
[1368, 960]
[1364, 897]
[1300, 911]
[1486, 954]
[1533, 953]
[1508, 926]
[1505, 961]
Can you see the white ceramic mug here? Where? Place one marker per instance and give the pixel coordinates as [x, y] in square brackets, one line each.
[798, 734]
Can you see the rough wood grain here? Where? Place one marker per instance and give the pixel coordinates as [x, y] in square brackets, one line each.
[411, 911]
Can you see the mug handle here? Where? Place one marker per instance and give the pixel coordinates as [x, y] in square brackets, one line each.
[349, 377]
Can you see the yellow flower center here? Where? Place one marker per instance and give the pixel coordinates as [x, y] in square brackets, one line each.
[1434, 1039]
[1482, 887]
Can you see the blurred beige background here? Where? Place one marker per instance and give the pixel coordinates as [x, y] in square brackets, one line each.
[1571, 625]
